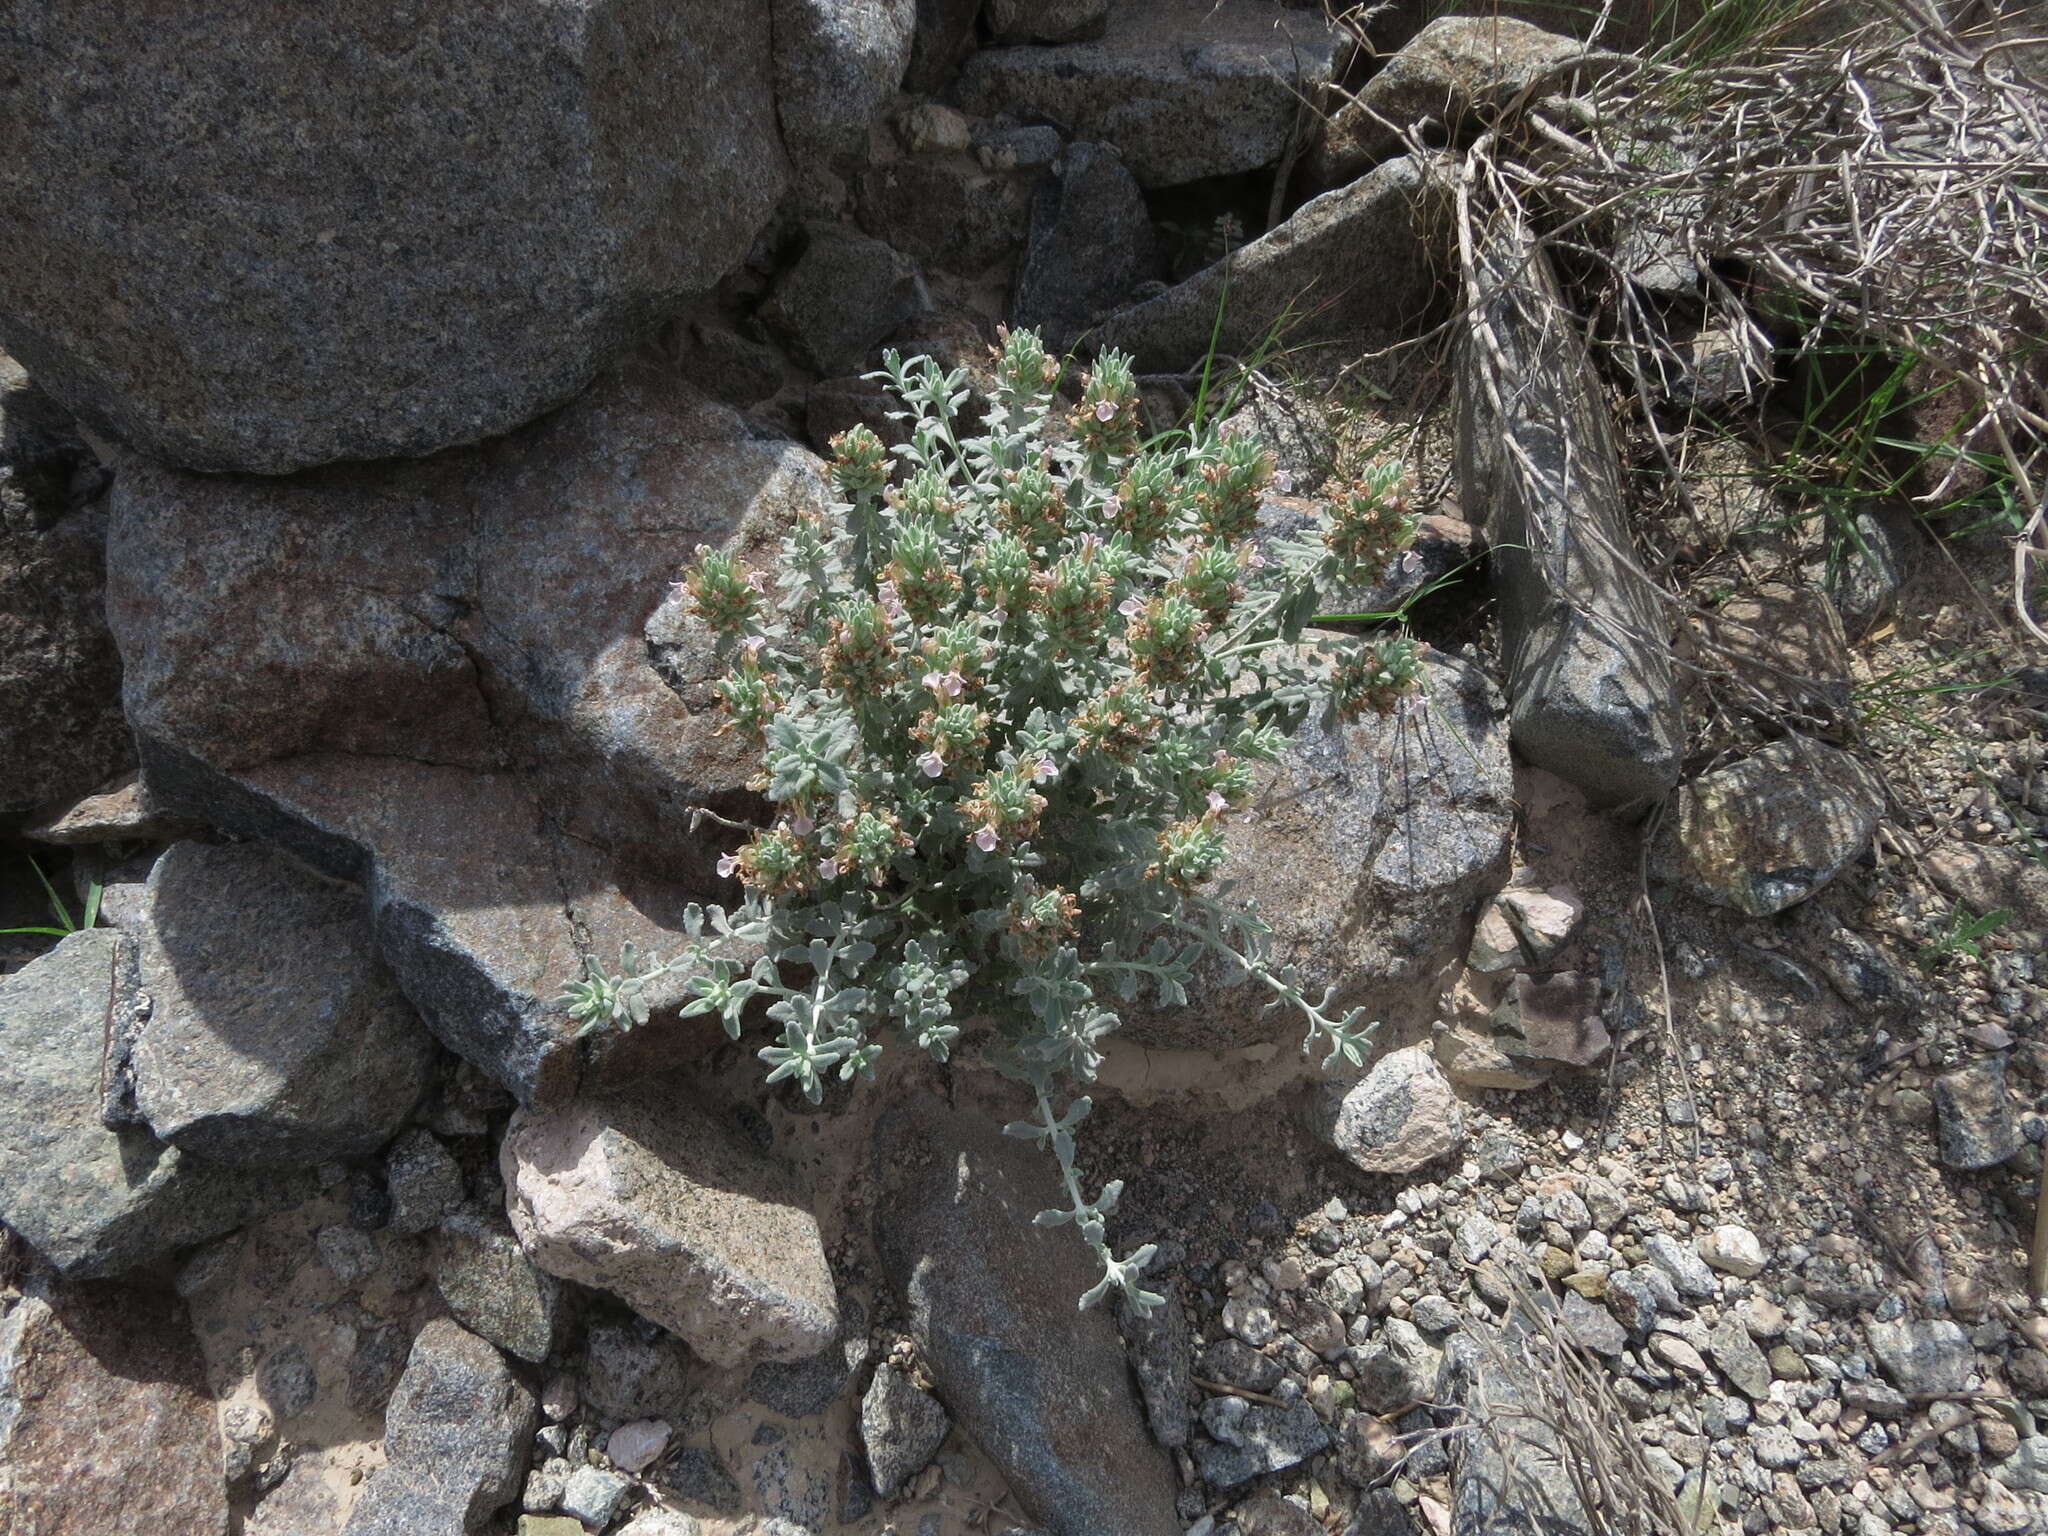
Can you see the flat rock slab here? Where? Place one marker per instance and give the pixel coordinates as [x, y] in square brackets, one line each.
[275, 1035]
[1183, 88]
[457, 1434]
[482, 906]
[647, 1195]
[1365, 849]
[1363, 260]
[1040, 1386]
[1590, 684]
[1767, 832]
[103, 1394]
[95, 1201]
[330, 266]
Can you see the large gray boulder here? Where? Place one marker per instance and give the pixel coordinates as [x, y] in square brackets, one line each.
[1365, 849]
[464, 683]
[91, 1200]
[369, 232]
[457, 1433]
[61, 731]
[837, 64]
[1360, 262]
[1590, 685]
[643, 1193]
[1040, 1386]
[103, 1392]
[1183, 88]
[275, 1035]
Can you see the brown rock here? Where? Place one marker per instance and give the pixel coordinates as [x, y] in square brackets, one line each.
[119, 811]
[105, 1415]
[1553, 1020]
[645, 1194]
[1988, 879]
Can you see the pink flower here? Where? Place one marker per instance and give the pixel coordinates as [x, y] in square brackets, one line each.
[947, 683]
[999, 615]
[1105, 410]
[1112, 506]
[885, 594]
[755, 644]
[985, 839]
[932, 764]
[1131, 607]
[1090, 543]
[757, 581]
[802, 826]
[1217, 804]
[828, 869]
[728, 866]
[1255, 558]
[1045, 770]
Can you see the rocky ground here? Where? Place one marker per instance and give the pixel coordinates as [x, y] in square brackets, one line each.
[1701, 889]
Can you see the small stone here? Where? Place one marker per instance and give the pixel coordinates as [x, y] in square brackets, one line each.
[1251, 1320]
[636, 1446]
[1674, 1351]
[425, 1182]
[1733, 1251]
[1767, 832]
[549, 1525]
[2002, 1512]
[1683, 1265]
[1553, 1020]
[593, 1495]
[1774, 1448]
[493, 1288]
[902, 1427]
[1523, 928]
[1924, 1357]
[1974, 1116]
[1256, 1438]
[1739, 1358]
[1787, 1364]
[1476, 1237]
[1592, 1325]
[1398, 1119]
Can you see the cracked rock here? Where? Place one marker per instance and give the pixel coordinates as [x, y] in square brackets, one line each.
[643, 1193]
[91, 1200]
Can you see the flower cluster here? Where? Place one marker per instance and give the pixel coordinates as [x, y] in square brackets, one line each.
[1008, 693]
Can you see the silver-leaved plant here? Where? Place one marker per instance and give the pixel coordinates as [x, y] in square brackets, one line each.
[1006, 697]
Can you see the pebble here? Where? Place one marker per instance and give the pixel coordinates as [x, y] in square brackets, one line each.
[1734, 1251]
[1682, 1264]
[594, 1495]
